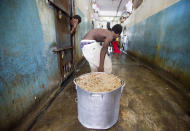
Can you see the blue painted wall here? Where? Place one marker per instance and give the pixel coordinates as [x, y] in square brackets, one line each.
[24, 62]
[164, 40]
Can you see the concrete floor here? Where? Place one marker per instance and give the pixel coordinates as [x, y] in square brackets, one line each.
[148, 103]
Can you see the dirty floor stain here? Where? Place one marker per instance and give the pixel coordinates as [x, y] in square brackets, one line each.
[148, 103]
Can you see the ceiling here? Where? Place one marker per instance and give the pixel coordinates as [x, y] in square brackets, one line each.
[109, 7]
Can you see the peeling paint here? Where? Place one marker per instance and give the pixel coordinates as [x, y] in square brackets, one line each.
[27, 64]
[163, 40]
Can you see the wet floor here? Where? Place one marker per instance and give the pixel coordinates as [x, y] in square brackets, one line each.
[148, 103]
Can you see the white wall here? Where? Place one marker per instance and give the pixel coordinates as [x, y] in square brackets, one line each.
[82, 8]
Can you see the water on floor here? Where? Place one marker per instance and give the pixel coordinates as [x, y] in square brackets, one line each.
[148, 103]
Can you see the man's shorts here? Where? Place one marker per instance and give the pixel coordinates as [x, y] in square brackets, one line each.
[91, 51]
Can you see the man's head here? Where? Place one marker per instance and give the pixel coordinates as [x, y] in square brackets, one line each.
[77, 17]
[117, 29]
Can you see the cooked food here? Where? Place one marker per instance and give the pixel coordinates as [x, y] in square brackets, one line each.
[98, 82]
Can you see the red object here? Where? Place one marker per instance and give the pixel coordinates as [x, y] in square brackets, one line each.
[115, 47]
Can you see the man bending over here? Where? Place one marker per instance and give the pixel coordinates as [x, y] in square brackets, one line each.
[94, 53]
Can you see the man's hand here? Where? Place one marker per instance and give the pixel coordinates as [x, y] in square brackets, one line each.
[100, 69]
[71, 32]
[74, 23]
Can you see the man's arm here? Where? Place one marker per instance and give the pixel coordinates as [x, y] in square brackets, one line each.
[103, 53]
[74, 27]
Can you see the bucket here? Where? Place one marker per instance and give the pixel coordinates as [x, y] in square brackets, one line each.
[98, 110]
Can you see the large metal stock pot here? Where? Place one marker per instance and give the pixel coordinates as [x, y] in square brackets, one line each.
[98, 110]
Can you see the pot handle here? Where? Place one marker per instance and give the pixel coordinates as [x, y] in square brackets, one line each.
[76, 100]
[123, 85]
[75, 83]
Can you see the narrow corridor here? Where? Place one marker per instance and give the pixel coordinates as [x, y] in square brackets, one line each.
[147, 103]
[45, 44]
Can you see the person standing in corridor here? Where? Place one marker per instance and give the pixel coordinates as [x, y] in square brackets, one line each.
[75, 20]
[115, 44]
[94, 53]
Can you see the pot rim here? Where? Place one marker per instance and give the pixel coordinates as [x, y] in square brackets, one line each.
[106, 92]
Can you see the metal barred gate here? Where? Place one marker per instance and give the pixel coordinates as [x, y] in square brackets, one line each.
[65, 44]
